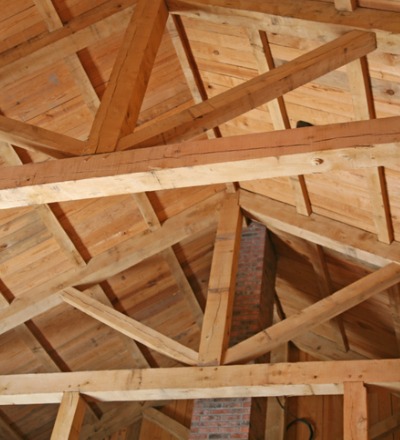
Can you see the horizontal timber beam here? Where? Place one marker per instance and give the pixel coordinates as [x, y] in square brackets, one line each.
[315, 19]
[255, 380]
[253, 93]
[305, 150]
[332, 234]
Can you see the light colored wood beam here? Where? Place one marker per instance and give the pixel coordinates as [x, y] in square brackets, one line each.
[69, 417]
[364, 108]
[253, 93]
[313, 20]
[167, 423]
[36, 138]
[112, 261]
[322, 311]
[221, 287]
[81, 32]
[253, 380]
[129, 327]
[348, 240]
[238, 158]
[355, 412]
[122, 100]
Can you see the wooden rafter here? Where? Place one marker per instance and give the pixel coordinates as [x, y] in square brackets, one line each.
[300, 378]
[105, 265]
[253, 93]
[122, 100]
[218, 314]
[129, 327]
[323, 310]
[348, 240]
[239, 158]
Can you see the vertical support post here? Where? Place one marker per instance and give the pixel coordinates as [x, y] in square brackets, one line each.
[69, 417]
[355, 411]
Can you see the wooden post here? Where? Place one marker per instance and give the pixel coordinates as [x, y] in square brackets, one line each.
[69, 418]
[355, 411]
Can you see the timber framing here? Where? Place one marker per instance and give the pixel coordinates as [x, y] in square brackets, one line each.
[168, 190]
[256, 380]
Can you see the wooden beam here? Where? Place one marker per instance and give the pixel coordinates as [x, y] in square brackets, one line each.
[355, 411]
[313, 20]
[221, 287]
[280, 153]
[384, 427]
[253, 380]
[111, 262]
[348, 240]
[322, 311]
[129, 327]
[167, 423]
[70, 417]
[36, 138]
[253, 93]
[81, 32]
[122, 100]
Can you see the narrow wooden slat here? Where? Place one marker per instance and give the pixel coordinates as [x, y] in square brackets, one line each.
[221, 287]
[355, 411]
[239, 158]
[129, 327]
[394, 300]
[322, 311]
[170, 257]
[70, 417]
[167, 423]
[320, 266]
[364, 108]
[53, 21]
[253, 380]
[348, 240]
[278, 112]
[120, 105]
[253, 93]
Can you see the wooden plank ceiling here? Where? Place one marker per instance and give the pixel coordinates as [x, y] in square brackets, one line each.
[134, 135]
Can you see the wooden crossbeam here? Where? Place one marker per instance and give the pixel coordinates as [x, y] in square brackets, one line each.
[81, 32]
[384, 427]
[253, 380]
[69, 417]
[253, 93]
[111, 262]
[322, 311]
[129, 327]
[221, 287]
[348, 240]
[239, 158]
[36, 138]
[313, 20]
[122, 100]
